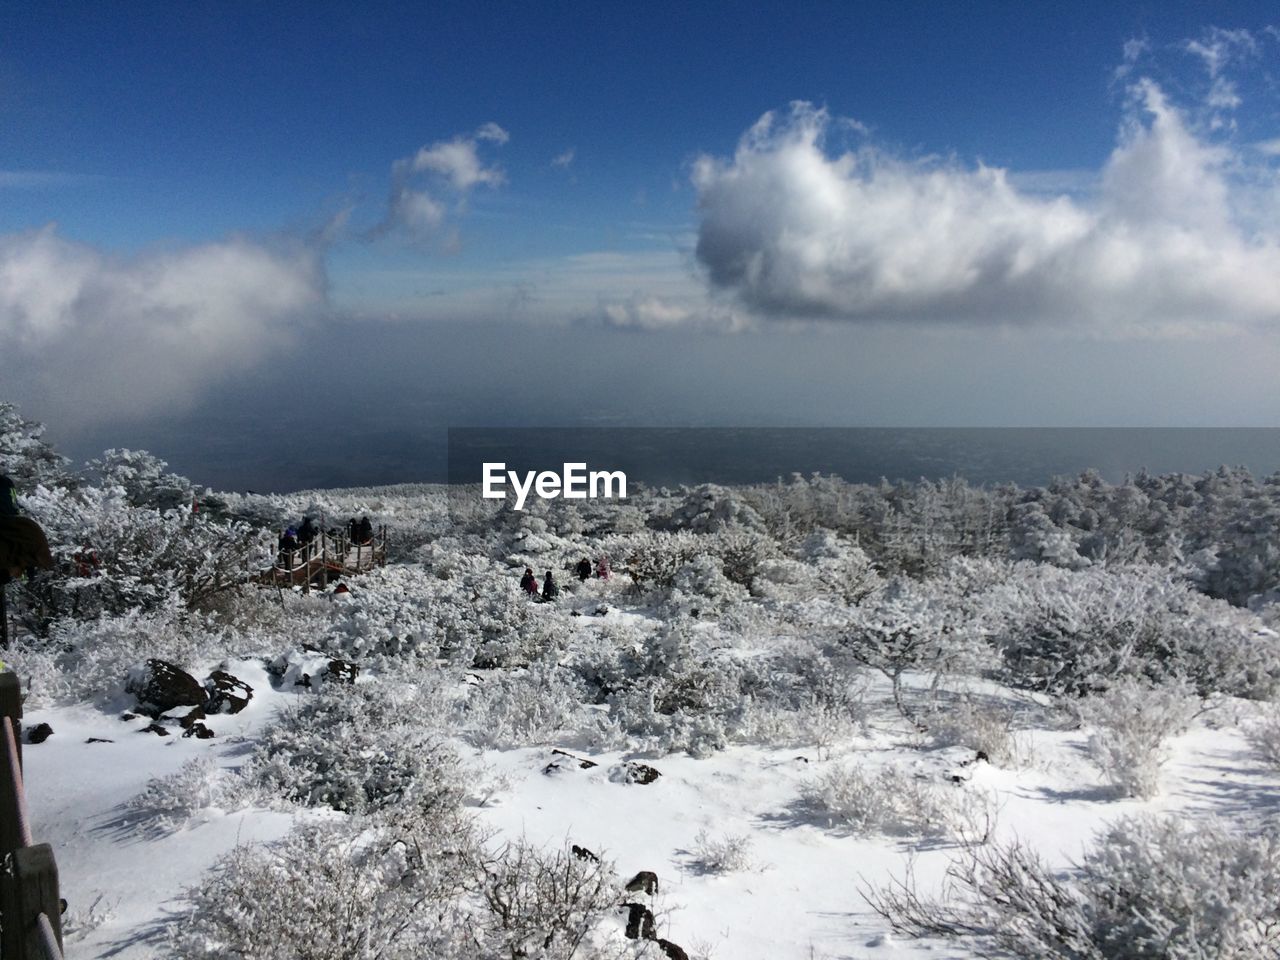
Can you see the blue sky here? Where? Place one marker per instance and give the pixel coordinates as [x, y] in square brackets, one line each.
[191, 195]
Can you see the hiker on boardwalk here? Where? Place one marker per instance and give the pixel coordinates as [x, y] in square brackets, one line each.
[529, 583]
[583, 568]
[288, 547]
[602, 568]
[364, 531]
[549, 589]
[307, 532]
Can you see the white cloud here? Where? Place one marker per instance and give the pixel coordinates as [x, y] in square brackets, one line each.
[123, 337]
[563, 160]
[443, 174]
[794, 231]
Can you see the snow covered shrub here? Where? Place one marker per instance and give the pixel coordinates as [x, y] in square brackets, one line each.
[26, 457]
[742, 552]
[1264, 734]
[357, 890]
[702, 585]
[980, 727]
[653, 559]
[823, 565]
[728, 853]
[91, 660]
[168, 803]
[908, 630]
[118, 557]
[544, 905]
[144, 479]
[528, 707]
[1059, 631]
[886, 800]
[678, 694]
[1132, 722]
[360, 749]
[1158, 888]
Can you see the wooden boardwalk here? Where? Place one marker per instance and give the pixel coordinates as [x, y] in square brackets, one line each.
[327, 558]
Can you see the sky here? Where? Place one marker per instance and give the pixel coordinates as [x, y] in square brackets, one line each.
[233, 230]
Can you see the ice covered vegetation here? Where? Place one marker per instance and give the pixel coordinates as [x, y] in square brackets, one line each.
[800, 720]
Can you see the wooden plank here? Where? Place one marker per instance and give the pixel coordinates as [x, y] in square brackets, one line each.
[27, 890]
[11, 704]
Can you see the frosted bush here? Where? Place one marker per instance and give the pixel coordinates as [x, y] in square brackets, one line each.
[981, 728]
[1132, 722]
[168, 803]
[886, 801]
[1158, 888]
[354, 890]
[361, 749]
[530, 707]
[727, 853]
[1264, 734]
[548, 905]
[91, 660]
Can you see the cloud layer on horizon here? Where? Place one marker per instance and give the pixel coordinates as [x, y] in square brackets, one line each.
[108, 338]
[1167, 242]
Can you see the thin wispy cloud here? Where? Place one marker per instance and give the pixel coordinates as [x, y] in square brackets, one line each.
[793, 229]
[563, 160]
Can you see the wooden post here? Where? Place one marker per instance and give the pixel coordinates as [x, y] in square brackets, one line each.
[4, 610]
[27, 890]
[11, 707]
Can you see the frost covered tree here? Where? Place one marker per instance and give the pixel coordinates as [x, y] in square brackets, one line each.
[25, 456]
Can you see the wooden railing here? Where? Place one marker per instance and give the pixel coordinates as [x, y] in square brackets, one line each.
[30, 908]
[327, 558]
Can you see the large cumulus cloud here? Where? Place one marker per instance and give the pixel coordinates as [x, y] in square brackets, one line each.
[792, 229]
[103, 337]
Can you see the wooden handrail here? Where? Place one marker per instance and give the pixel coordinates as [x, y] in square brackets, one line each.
[30, 908]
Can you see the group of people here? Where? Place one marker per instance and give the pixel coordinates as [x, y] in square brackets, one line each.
[550, 589]
[294, 539]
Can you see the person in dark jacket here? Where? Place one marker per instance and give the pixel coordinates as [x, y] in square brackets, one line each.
[364, 531]
[307, 532]
[549, 589]
[529, 583]
[288, 547]
[8, 497]
[584, 569]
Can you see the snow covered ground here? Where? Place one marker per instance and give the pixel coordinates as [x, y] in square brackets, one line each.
[753, 672]
[797, 897]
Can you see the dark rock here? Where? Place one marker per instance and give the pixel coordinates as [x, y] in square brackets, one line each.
[227, 693]
[191, 718]
[574, 613]
[199, 731]
[303, 681]
[161, 686]
[671, 950]
[982, 755]
[128, 716]
[632, 772]
[601, 610]
[640, 923]
[342, 671]
[645, 881]
[39, 733]
[156, 729]
[582, 853]
[98, 740]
